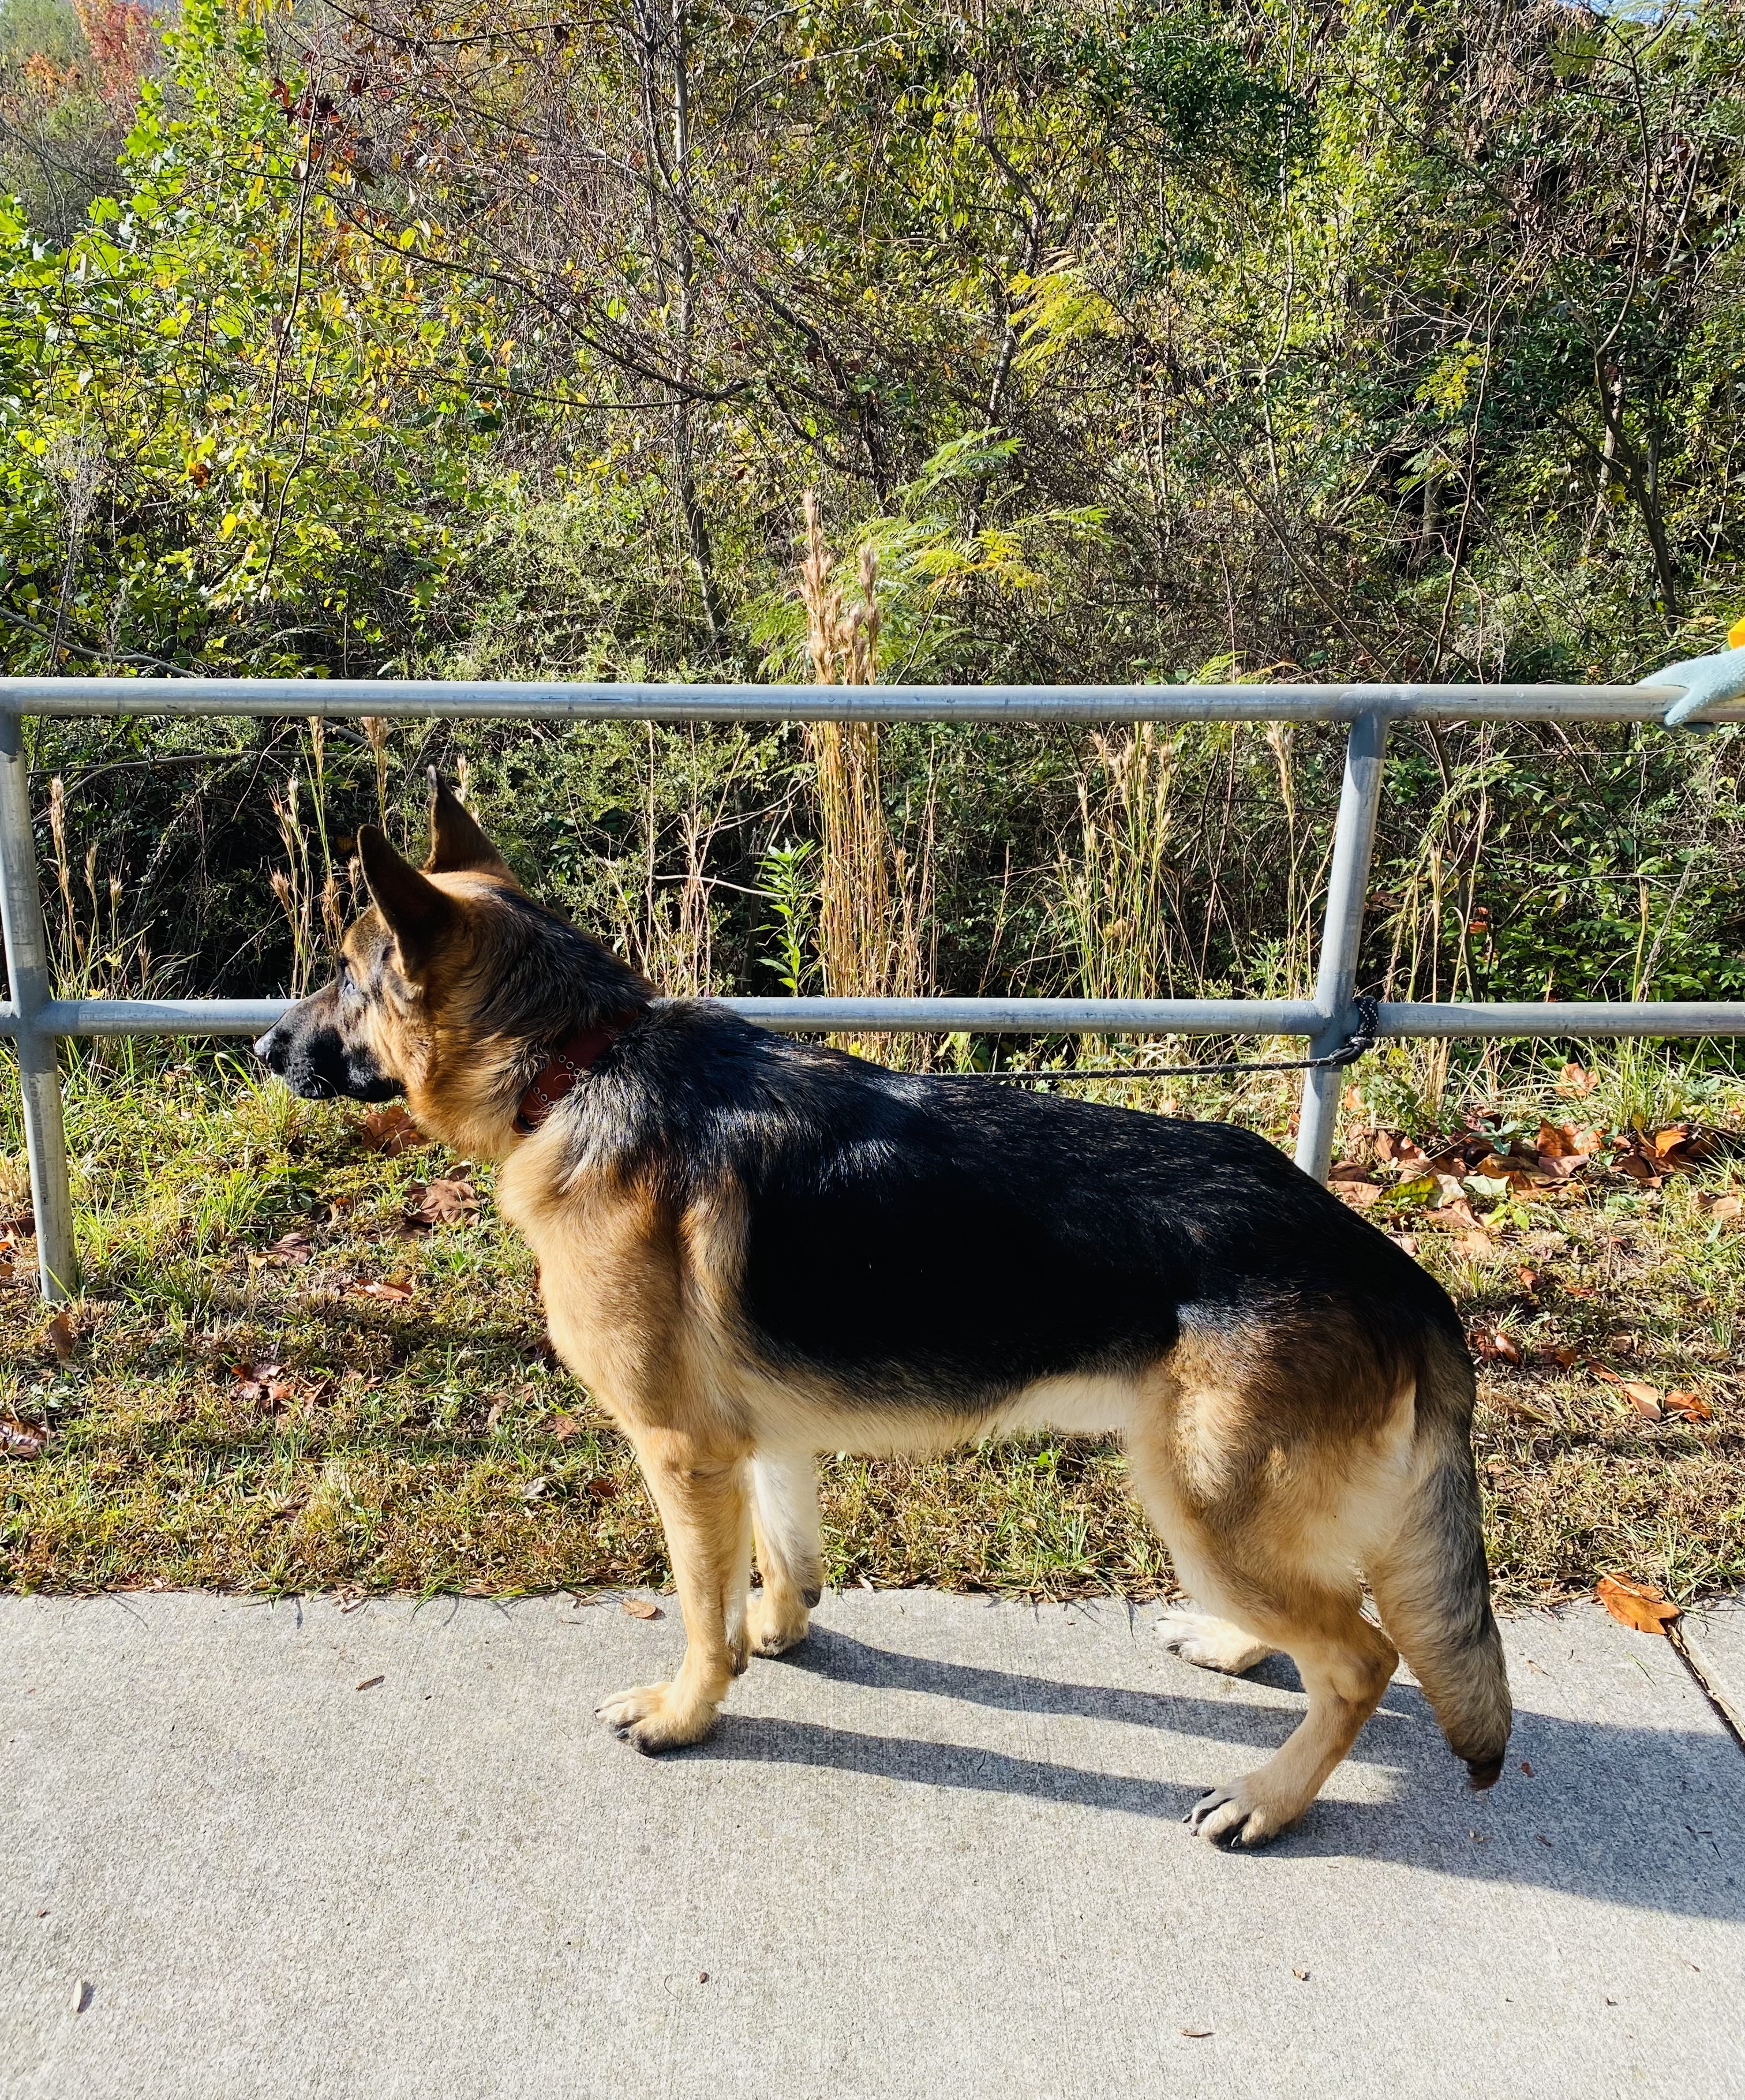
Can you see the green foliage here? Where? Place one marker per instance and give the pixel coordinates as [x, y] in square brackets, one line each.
[1233, 335]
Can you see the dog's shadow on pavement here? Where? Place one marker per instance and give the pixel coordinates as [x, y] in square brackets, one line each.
[1651, 1818]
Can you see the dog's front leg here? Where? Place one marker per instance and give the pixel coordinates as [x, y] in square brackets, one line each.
[701, 1492]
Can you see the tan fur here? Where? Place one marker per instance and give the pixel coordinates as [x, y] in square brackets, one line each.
[1277, 1472]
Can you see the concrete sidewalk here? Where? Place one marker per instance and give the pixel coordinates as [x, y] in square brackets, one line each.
[937, 1851]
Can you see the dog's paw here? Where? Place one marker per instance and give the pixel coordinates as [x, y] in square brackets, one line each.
[1233, 1816]
[774, 1629]
[652, 1717]
[1210, 1643]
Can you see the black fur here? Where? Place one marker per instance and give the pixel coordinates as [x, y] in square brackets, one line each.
[922, 1236]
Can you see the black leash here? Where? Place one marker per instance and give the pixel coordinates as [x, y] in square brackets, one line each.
[1368, 1033]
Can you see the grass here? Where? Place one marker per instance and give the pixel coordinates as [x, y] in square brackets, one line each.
[278, 1381]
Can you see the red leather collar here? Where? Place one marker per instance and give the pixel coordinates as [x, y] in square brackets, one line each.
[566, 1063]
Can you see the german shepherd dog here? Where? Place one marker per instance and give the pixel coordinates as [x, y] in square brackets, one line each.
[753, 1249]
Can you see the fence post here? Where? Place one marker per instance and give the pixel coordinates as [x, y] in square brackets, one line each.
[27, 970]
[1336, 979]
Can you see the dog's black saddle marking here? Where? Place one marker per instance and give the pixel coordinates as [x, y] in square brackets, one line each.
[931, 1237]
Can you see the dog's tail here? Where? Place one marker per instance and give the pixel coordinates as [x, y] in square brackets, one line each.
[1431, 1586]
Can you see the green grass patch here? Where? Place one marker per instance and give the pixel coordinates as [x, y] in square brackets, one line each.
[278, 1380]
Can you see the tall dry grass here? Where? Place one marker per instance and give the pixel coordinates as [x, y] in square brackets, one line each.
[875, 932]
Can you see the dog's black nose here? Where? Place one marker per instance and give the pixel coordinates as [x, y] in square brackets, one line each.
[270, 1048]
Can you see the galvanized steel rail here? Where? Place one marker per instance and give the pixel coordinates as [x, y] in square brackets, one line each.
[35, 1020]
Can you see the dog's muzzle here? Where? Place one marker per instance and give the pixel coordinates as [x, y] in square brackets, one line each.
[314, 1061]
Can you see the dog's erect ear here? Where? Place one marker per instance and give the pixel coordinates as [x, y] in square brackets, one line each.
[457, 845]
[420, 917]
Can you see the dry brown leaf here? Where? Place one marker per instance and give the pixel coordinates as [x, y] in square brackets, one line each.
[1556, 1140]
[1635, 1604]
[369, 1683]
[1359, 1195]
[396, 1290]
[641, 1608]
[1692, 1405]
[1645, 1399]
[1726, 1207]
[1198, 2034]
[293, 1247]
[1491, 1343]
[1638, 1169]
[564, 1426]
[1576, 1079]
[449, 1200]
[20, 1438]
[1670, 1138]
[61, 1336]
[1563, 1354]
[390, 1130]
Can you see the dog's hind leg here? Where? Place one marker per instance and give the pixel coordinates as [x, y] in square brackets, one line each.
[790, 1555]
[1211, 1643]
[1345, 1663]
[705, 1510]
[1270, 1598]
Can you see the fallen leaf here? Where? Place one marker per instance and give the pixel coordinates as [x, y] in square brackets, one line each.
[1406, 1242]
[1556, 1140]
[60, 1336]
[1526, 1769]
[293, 1246]
[1589, 1141]
[1491, 1343]
[1576, 1079]
[1420, 1190]
[1359, 1195]
[564, 1426]
[450, 1200]
[494, 1413]
[1475, 1245]
[20, 1438]
[531, 1491]
[1638, 1169]
[641, 1608]
[1450, 1216]
[396, 1290]
[1692, 1405]
[1348, 1170]
[269, 1386]
[1645, 1399]
[1670, 1138]
[390, 1130]
[369, 1683]
[601, 1488]
[1563, 1354]
[1300, 1975]
[1635, 1604]
[1198, 2034]
[1726, 1207]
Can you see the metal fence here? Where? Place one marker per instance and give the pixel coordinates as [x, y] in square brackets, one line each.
[35, 1020]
